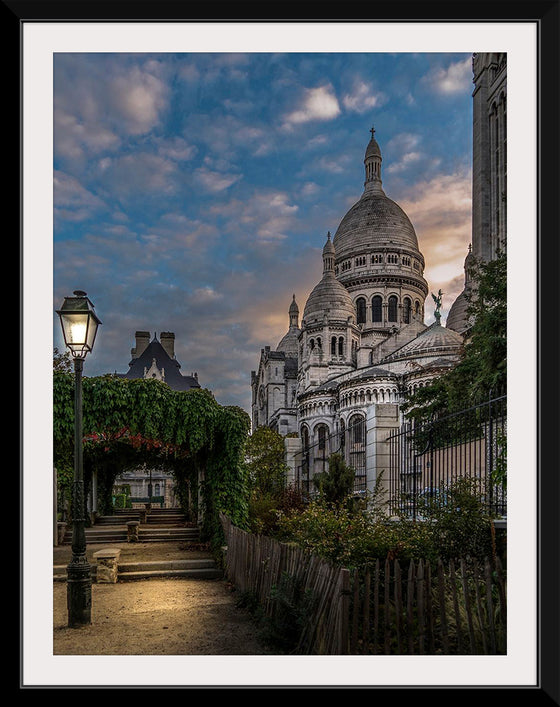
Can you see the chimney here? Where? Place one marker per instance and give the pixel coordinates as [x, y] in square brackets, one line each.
[142, 341]
[167, 339]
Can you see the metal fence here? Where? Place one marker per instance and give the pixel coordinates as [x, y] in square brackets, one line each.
[424, 460]
[427, 459]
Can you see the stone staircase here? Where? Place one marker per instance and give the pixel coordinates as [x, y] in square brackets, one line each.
[161, 525]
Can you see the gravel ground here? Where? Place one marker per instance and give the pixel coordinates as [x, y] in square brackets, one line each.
[156, 616]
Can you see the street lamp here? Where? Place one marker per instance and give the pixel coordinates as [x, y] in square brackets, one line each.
[79, 327]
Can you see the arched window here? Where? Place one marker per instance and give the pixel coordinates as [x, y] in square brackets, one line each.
[341, 346]
[407, 306]
[361, 310]
[333, 346]
[305, 438]
[322, 437]
[417, 307]
[357, 429]
[377, 309]
[312, 344]
[392, 313]
[318, 342]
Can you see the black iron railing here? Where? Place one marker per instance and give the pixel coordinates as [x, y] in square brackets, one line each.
[426, 460]
[349, 442]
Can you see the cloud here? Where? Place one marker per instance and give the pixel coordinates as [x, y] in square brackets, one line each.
[456, 78]
[214, 181]
[440, 210]
[318, 104]
[140, 174]
[176, 149]
[265, 218]
[205, 294]
[362, 98]
[73, 138]
[138, 98]
[99, 102]
[72, 201]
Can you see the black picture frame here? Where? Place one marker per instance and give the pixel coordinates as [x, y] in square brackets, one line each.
[545, 15]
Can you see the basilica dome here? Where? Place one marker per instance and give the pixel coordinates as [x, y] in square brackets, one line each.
[375, 221]
[377, 255]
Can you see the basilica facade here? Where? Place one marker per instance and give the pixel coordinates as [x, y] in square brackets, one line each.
[361, 344]
[337, 378]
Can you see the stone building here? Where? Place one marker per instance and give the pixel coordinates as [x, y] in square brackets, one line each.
[337, 379]
[338, 376]
[154, 359]
[489, 191]
[489, 173]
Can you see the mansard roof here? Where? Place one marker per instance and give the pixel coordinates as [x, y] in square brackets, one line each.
[173, 376]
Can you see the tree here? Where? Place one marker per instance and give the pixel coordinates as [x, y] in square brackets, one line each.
[62, 362]
[483, 365]
[337, 483]
[266, 464]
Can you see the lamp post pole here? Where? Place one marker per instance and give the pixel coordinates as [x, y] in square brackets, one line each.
[79, 326]
[78, 570]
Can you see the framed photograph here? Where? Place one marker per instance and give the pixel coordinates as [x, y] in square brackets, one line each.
[207, 185]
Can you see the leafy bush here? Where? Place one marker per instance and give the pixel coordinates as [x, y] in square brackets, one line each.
[459, 528]
[265, 509]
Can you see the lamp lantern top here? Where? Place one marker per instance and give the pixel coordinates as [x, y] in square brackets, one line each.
[79, 323]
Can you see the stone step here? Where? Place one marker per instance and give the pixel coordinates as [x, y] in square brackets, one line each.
[204, 573]
[117, 531]
[160, 565]
[194, 569]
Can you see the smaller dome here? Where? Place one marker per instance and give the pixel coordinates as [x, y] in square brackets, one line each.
[289, 342]
[434, 339]
[329, 297]
[458, 319]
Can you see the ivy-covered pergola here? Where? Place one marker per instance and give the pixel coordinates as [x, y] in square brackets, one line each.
[127, 423]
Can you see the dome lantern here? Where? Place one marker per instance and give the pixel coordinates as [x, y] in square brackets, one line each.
[372, 162]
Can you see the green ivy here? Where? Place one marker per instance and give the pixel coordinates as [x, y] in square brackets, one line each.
[130, 422]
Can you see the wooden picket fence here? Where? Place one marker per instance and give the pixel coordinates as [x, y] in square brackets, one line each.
[389, 609]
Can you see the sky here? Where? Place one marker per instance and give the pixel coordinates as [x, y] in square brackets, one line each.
[193, 193]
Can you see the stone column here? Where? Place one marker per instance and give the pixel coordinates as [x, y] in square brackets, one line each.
[293, 457]
[382, 420]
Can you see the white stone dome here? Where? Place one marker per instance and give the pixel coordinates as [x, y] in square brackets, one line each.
[329, 298]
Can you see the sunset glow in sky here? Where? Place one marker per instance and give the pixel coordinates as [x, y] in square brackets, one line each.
[193, 192]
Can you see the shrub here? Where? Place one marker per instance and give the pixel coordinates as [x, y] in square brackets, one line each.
[458, 528]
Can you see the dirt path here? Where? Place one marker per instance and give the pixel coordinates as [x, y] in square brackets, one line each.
[156, 616]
